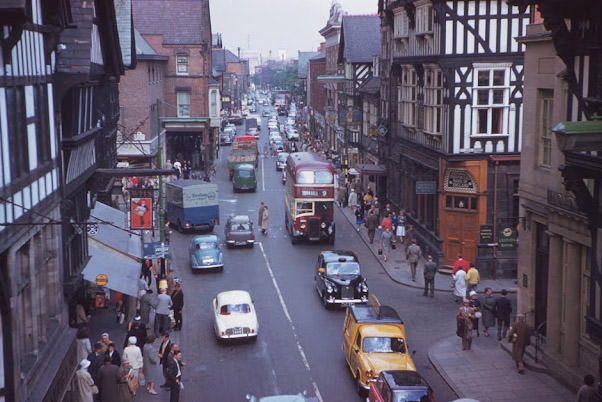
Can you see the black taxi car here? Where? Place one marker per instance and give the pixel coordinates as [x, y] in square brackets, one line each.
[338, 279]
[400, 385]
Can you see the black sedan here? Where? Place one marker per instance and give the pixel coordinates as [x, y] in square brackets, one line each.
[239, 231]
[338, 279]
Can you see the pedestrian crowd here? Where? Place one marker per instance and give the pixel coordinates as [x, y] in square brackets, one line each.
[105, 374]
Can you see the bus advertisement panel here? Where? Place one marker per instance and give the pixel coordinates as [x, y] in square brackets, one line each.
[309, 198]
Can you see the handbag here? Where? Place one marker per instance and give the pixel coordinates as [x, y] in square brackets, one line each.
[133, 383]
[478, 314]
[513, 338]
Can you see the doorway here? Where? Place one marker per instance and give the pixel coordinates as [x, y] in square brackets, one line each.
[542, 249]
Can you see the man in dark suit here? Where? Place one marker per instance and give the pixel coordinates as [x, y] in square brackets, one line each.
[177, 301]
[114, 355]
[174, 376]
[108, 381]
[503, 309]
[164, 349]
[97, 359]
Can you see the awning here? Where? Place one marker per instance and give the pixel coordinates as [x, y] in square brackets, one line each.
[375, 170]
[121, 270]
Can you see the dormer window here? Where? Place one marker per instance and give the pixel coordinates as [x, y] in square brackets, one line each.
[182, 64]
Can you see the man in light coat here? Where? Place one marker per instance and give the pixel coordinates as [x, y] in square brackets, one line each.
[413, 255]
[162, 312]
[84, 384]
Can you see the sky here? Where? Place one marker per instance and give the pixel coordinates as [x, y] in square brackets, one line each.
[266, 25]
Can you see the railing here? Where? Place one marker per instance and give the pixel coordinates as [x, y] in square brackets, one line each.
[431, 141]
[539, 339]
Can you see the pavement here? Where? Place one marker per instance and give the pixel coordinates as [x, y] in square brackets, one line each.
[486, 372]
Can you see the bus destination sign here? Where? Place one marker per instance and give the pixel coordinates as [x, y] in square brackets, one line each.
[315, 192]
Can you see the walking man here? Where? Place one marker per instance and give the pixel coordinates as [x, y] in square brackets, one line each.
[260, 213]
[430, 270]
[177, 301]
[503, 309]
[372, 224]
[413, 255]
[520, 337]
[265, 220]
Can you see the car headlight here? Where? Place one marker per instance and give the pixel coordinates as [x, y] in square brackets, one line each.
[364, 287]
[330, 288]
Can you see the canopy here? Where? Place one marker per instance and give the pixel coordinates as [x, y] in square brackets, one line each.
[121, 270]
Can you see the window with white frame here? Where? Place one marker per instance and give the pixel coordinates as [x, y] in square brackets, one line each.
[433, 100]
[401, 25]
[408, 96]
[424, 19]
[182, 64]
[545, 124]
[490, 101]
[213, 112]
[183, 104]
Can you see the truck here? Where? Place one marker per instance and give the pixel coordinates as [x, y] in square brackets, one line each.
[192, 204]
[374, 340]
[244, 150]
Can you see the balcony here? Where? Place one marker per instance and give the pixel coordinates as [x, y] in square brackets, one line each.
[432, 141]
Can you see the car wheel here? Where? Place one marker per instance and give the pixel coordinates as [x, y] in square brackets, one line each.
[294, 239]
[252, 245]
[211, 227]
[324, 302]
[358, 386]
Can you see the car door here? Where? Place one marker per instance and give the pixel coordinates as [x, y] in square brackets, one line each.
[318, 277]
[354, 355]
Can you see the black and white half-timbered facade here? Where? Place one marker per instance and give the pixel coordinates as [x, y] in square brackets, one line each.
[33, 310]
[60, 61]
[455, 112]
[359, 43]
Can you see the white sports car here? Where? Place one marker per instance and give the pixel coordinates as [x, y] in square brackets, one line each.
[234, 315]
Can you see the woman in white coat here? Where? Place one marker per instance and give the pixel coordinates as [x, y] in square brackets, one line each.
[459, 284]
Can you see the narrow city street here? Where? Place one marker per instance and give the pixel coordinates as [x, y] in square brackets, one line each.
[299, 343]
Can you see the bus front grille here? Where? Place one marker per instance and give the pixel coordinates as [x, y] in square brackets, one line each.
[314, 229]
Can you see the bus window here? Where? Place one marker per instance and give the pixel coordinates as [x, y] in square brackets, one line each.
[305, 177]
[322, 207]
[305, 207]
[323, 177]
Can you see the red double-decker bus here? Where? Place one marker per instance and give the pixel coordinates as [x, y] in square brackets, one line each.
[309, 198]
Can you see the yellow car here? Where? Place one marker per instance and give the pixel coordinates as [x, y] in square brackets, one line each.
[374, 340]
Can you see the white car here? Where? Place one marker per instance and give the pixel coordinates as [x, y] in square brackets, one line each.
[234, 315]
[274, 136]
[281, 160]
[292, 135]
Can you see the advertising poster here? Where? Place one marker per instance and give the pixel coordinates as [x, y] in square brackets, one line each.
[141, 213]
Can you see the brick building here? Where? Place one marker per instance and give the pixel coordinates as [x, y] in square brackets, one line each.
[316, 94]
[181, 31]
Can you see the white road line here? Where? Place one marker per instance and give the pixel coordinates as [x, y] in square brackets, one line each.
[262, 175]
[290, 321]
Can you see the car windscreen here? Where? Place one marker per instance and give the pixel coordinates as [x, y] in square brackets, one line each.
[205, 246]
[242, 308]
[244, 173]
[403, 395]
[343, 268]
[240, 227]
[383, 344]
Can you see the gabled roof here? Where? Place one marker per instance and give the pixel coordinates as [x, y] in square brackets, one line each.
[231, 57]
[144, 51]
[360, 38]
[180, 22]
[218, 61]
[125, 26]
[304, 58]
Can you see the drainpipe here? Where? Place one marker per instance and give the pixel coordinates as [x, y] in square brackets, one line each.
[494, 262]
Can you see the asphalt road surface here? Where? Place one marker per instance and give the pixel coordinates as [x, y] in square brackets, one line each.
[299, 343]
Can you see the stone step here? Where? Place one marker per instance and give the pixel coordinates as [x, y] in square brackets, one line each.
[529, 357]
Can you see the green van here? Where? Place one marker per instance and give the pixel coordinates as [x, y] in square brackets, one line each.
[244, 178]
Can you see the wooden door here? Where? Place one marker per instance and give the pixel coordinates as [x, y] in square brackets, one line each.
[460, 232]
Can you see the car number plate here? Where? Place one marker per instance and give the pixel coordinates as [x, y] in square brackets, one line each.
[237, 331]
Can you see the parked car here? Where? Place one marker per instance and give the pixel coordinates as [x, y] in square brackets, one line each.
[205, 253]
[239, 231]
[281, 160]
[234, 315]
[374, 340]
[338, 279]
[400, 385]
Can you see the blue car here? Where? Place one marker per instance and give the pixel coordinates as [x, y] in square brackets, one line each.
[206, 253]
